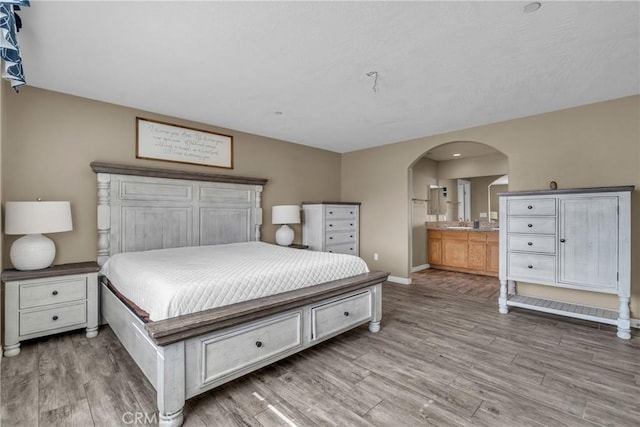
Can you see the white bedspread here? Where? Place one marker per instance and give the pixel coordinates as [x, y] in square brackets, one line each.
[171, 282]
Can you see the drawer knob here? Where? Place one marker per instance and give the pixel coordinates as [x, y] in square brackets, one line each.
[55, 317]
[562, 240]
[351, 212]
[529, 225]
[54, 293]
[258, 344]
[350, 225]
[346, 313]
[330, 225]
[529, 266]
[530, 243]
[330, 252]
[350, 249]
[330, 212]
[330, 238]
[351, 236]
[529, 207]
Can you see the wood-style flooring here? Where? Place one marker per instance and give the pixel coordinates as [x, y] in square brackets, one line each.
[444, 356]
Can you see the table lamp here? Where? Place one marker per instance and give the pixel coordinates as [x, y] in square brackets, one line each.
[285, 214]
[35, 251]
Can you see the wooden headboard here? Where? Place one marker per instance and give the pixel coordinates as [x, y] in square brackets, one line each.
[143, 208]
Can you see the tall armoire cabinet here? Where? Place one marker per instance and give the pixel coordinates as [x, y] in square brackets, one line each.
[574, 238]
[332, 227]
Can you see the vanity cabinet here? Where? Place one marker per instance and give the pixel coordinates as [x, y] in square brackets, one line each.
[577, 239]
[332, 227]
[465, 251]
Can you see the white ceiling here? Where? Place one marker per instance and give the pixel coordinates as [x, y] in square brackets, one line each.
[441, 66]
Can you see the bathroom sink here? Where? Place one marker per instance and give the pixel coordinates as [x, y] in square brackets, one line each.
[459, 228]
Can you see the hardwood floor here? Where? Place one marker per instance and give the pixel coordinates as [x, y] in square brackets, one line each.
[444, 356]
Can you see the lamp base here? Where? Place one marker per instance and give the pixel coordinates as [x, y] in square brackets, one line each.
[284, 235]
[32, 252]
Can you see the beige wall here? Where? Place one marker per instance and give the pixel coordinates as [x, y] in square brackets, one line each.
[51, 138]
[588, 146]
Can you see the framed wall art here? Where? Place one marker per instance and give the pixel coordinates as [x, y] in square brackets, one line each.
[173, 143]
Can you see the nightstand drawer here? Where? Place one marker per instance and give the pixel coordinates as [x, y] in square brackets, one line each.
[53, 318]
[53, 292]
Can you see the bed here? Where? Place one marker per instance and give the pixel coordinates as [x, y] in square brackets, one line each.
[185, 353]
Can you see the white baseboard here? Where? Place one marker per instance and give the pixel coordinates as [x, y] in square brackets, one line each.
[635, 323]
[400, 280]
[420, 267]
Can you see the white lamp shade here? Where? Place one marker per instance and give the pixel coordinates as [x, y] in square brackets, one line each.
[37, 217]
[285, 214]
[35, 251]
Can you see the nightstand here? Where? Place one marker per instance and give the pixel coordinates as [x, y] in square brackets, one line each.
[44, 302]
[297, 246]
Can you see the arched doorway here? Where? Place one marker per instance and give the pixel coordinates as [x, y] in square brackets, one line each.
[455, 181]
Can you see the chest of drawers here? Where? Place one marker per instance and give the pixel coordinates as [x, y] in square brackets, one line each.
[332, 227]
[48, 301]
[574, 238]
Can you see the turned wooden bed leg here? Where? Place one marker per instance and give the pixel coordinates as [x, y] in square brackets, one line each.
[171, 384]
[624, 319]
[502, 300]
[374, 325]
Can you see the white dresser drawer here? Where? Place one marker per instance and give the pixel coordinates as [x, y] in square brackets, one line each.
[340, 224]
[340, 212]
[340, 237]
[532, 207]
[52, 292]
[346, 248]
[32, 322]
[532, 225]
[230, 352]
[339, 315]
[527, 266]
[532, 243]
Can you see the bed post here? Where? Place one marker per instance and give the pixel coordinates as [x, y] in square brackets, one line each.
[104, 216]
[258, 212]
[170, 387]
[374, 325]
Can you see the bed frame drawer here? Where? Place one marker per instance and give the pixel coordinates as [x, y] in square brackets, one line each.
[337, 316]
[227, 353]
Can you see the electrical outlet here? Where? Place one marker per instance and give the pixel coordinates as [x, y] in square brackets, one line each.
[375, 257]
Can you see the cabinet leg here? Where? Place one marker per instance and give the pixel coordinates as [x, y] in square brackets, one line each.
[502, 300]
[11, 350]
[92, 332]
[624, 321]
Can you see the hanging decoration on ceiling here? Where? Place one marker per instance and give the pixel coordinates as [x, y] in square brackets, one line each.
[374, 74]
[10, 24]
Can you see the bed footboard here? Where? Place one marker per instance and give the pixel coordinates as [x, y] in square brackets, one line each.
[182, 361]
